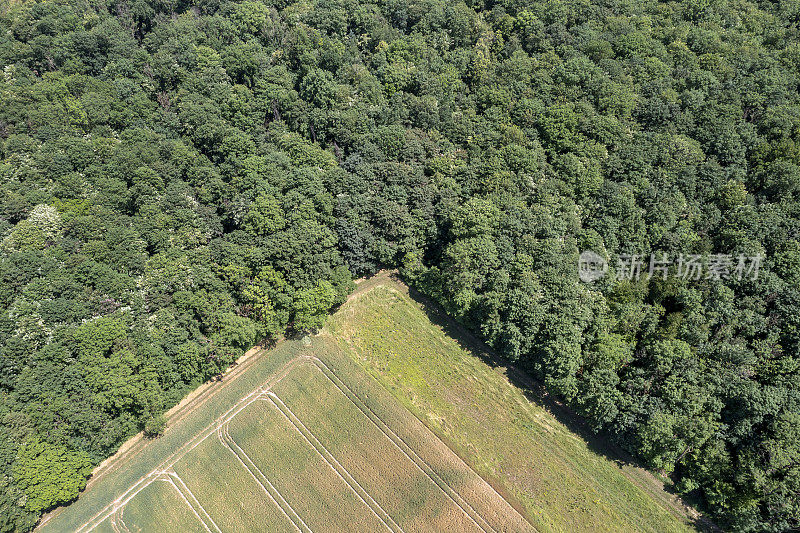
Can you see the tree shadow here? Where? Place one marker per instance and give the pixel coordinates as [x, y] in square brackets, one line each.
[600, 443]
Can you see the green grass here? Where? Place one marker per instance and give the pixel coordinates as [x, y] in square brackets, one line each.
[561, 484]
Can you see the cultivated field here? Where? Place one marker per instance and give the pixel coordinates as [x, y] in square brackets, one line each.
[497, 419]
[307, 452]
[382, 422]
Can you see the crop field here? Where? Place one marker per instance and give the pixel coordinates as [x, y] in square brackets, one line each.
[383, 422]
[304, 452]
[496, 419]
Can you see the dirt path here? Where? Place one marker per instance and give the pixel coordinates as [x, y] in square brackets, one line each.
[194, 400]
[212, 428]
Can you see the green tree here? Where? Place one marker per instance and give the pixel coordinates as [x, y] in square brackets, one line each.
[50, 475]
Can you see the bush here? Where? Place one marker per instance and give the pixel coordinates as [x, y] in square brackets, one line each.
[154, 426]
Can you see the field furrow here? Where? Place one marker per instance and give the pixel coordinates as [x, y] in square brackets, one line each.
[190, 500]
[398, 485]
[104, 527]
[466, 488]
[312, 486]
[233, 498]
[275, 496]
[160, 503]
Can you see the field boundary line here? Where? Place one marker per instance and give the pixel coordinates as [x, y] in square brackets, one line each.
[192, 443]
[112, 521]
[228, 442]
[398, 441]
[189, 505]
[320, 448]
[115, 520]
[191, 500]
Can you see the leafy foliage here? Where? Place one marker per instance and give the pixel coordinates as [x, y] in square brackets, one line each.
[180, 181]
[49, 475]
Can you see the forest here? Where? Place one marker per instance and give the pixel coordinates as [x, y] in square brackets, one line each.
[182, 180]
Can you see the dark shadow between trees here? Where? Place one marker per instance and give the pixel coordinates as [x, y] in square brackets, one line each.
[535, 391]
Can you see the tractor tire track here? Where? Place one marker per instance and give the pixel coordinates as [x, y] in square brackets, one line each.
[276, 497]
[195, 441]
[453, 495]
[340, 470]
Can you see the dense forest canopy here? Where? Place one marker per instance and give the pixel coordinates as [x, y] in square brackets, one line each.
[182, 180]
